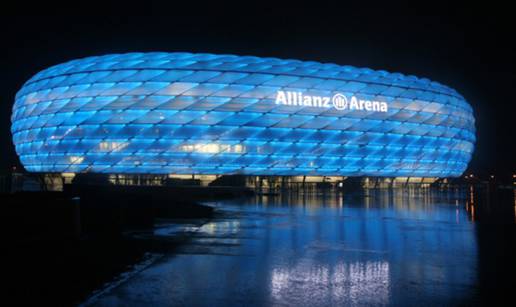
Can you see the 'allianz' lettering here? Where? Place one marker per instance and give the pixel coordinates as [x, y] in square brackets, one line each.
[298, 99]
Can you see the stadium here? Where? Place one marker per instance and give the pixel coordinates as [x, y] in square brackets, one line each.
[205, 114]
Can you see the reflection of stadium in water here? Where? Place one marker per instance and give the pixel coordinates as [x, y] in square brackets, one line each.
[353, 282]
[391, 247]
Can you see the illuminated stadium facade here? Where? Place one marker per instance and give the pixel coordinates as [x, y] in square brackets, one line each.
[183, 113]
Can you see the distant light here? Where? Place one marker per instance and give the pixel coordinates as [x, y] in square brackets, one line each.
[471, 176]
[492, 176]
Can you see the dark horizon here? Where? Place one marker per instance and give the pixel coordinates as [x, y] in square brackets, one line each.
[467, 49]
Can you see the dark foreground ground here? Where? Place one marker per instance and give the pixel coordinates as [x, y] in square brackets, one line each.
[58, 247]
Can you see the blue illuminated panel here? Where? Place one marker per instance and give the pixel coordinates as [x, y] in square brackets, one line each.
[183, 113]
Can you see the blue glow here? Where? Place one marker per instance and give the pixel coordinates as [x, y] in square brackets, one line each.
[216, 114]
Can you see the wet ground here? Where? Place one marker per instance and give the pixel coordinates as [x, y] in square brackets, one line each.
[379, 247]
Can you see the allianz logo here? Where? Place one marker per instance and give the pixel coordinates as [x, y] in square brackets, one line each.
[337, 101]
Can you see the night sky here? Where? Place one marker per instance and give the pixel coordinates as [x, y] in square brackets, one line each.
[467, 48]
